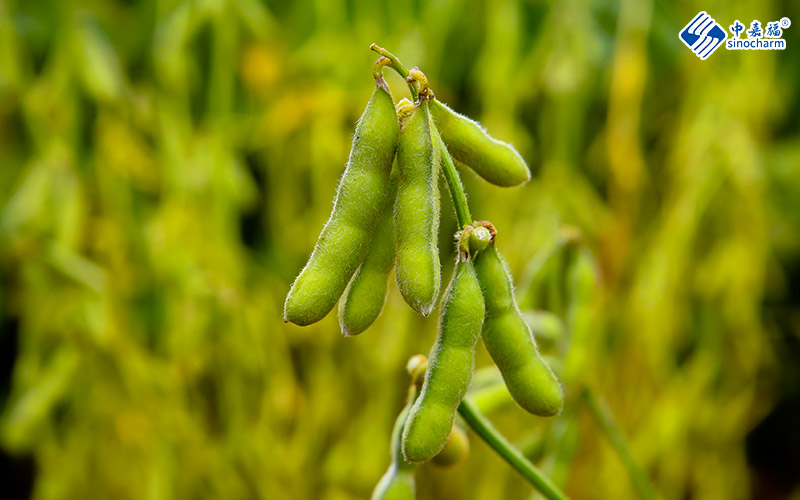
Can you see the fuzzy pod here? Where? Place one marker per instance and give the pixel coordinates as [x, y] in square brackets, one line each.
[507, 337]
[398, 481]
[362, 194]
[365, 295]
[469, 143]
[416, 212]
[450, 366]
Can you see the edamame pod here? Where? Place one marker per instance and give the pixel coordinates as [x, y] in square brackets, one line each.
[398, 481]
[507, 337]
[416, 212]
[496, 161]
[344, 241]
[365, 295]
[450, 366]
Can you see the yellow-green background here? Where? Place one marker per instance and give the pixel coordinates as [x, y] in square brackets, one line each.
[165, 168]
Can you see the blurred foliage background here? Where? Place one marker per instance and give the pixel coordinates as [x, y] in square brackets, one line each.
[165, 168]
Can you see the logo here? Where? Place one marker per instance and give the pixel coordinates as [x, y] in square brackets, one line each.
[768, 38]
[703, 35]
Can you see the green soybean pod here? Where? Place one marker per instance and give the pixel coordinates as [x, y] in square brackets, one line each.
[365, 295]
[450, 366]
[496, 161]
[508, 338]
[344, 241]
[398, 481]
[416, 212]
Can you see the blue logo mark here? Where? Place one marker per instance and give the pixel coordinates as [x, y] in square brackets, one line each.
[703, 35]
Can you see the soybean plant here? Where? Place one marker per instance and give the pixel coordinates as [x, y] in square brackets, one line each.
[378, 223]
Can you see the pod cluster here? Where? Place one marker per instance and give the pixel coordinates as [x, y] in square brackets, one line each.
[386, 210]
[386, 215]
[479, 303]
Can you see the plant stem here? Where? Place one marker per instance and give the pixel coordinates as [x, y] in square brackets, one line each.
[506, 450]
[454, 185]
[605, 419]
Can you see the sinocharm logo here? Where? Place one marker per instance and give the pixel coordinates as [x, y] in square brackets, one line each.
[703, 35]
[770, 37]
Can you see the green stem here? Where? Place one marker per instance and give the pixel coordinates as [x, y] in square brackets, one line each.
[506, 450]
[455, 186]
[397, 66]
[605, 419]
